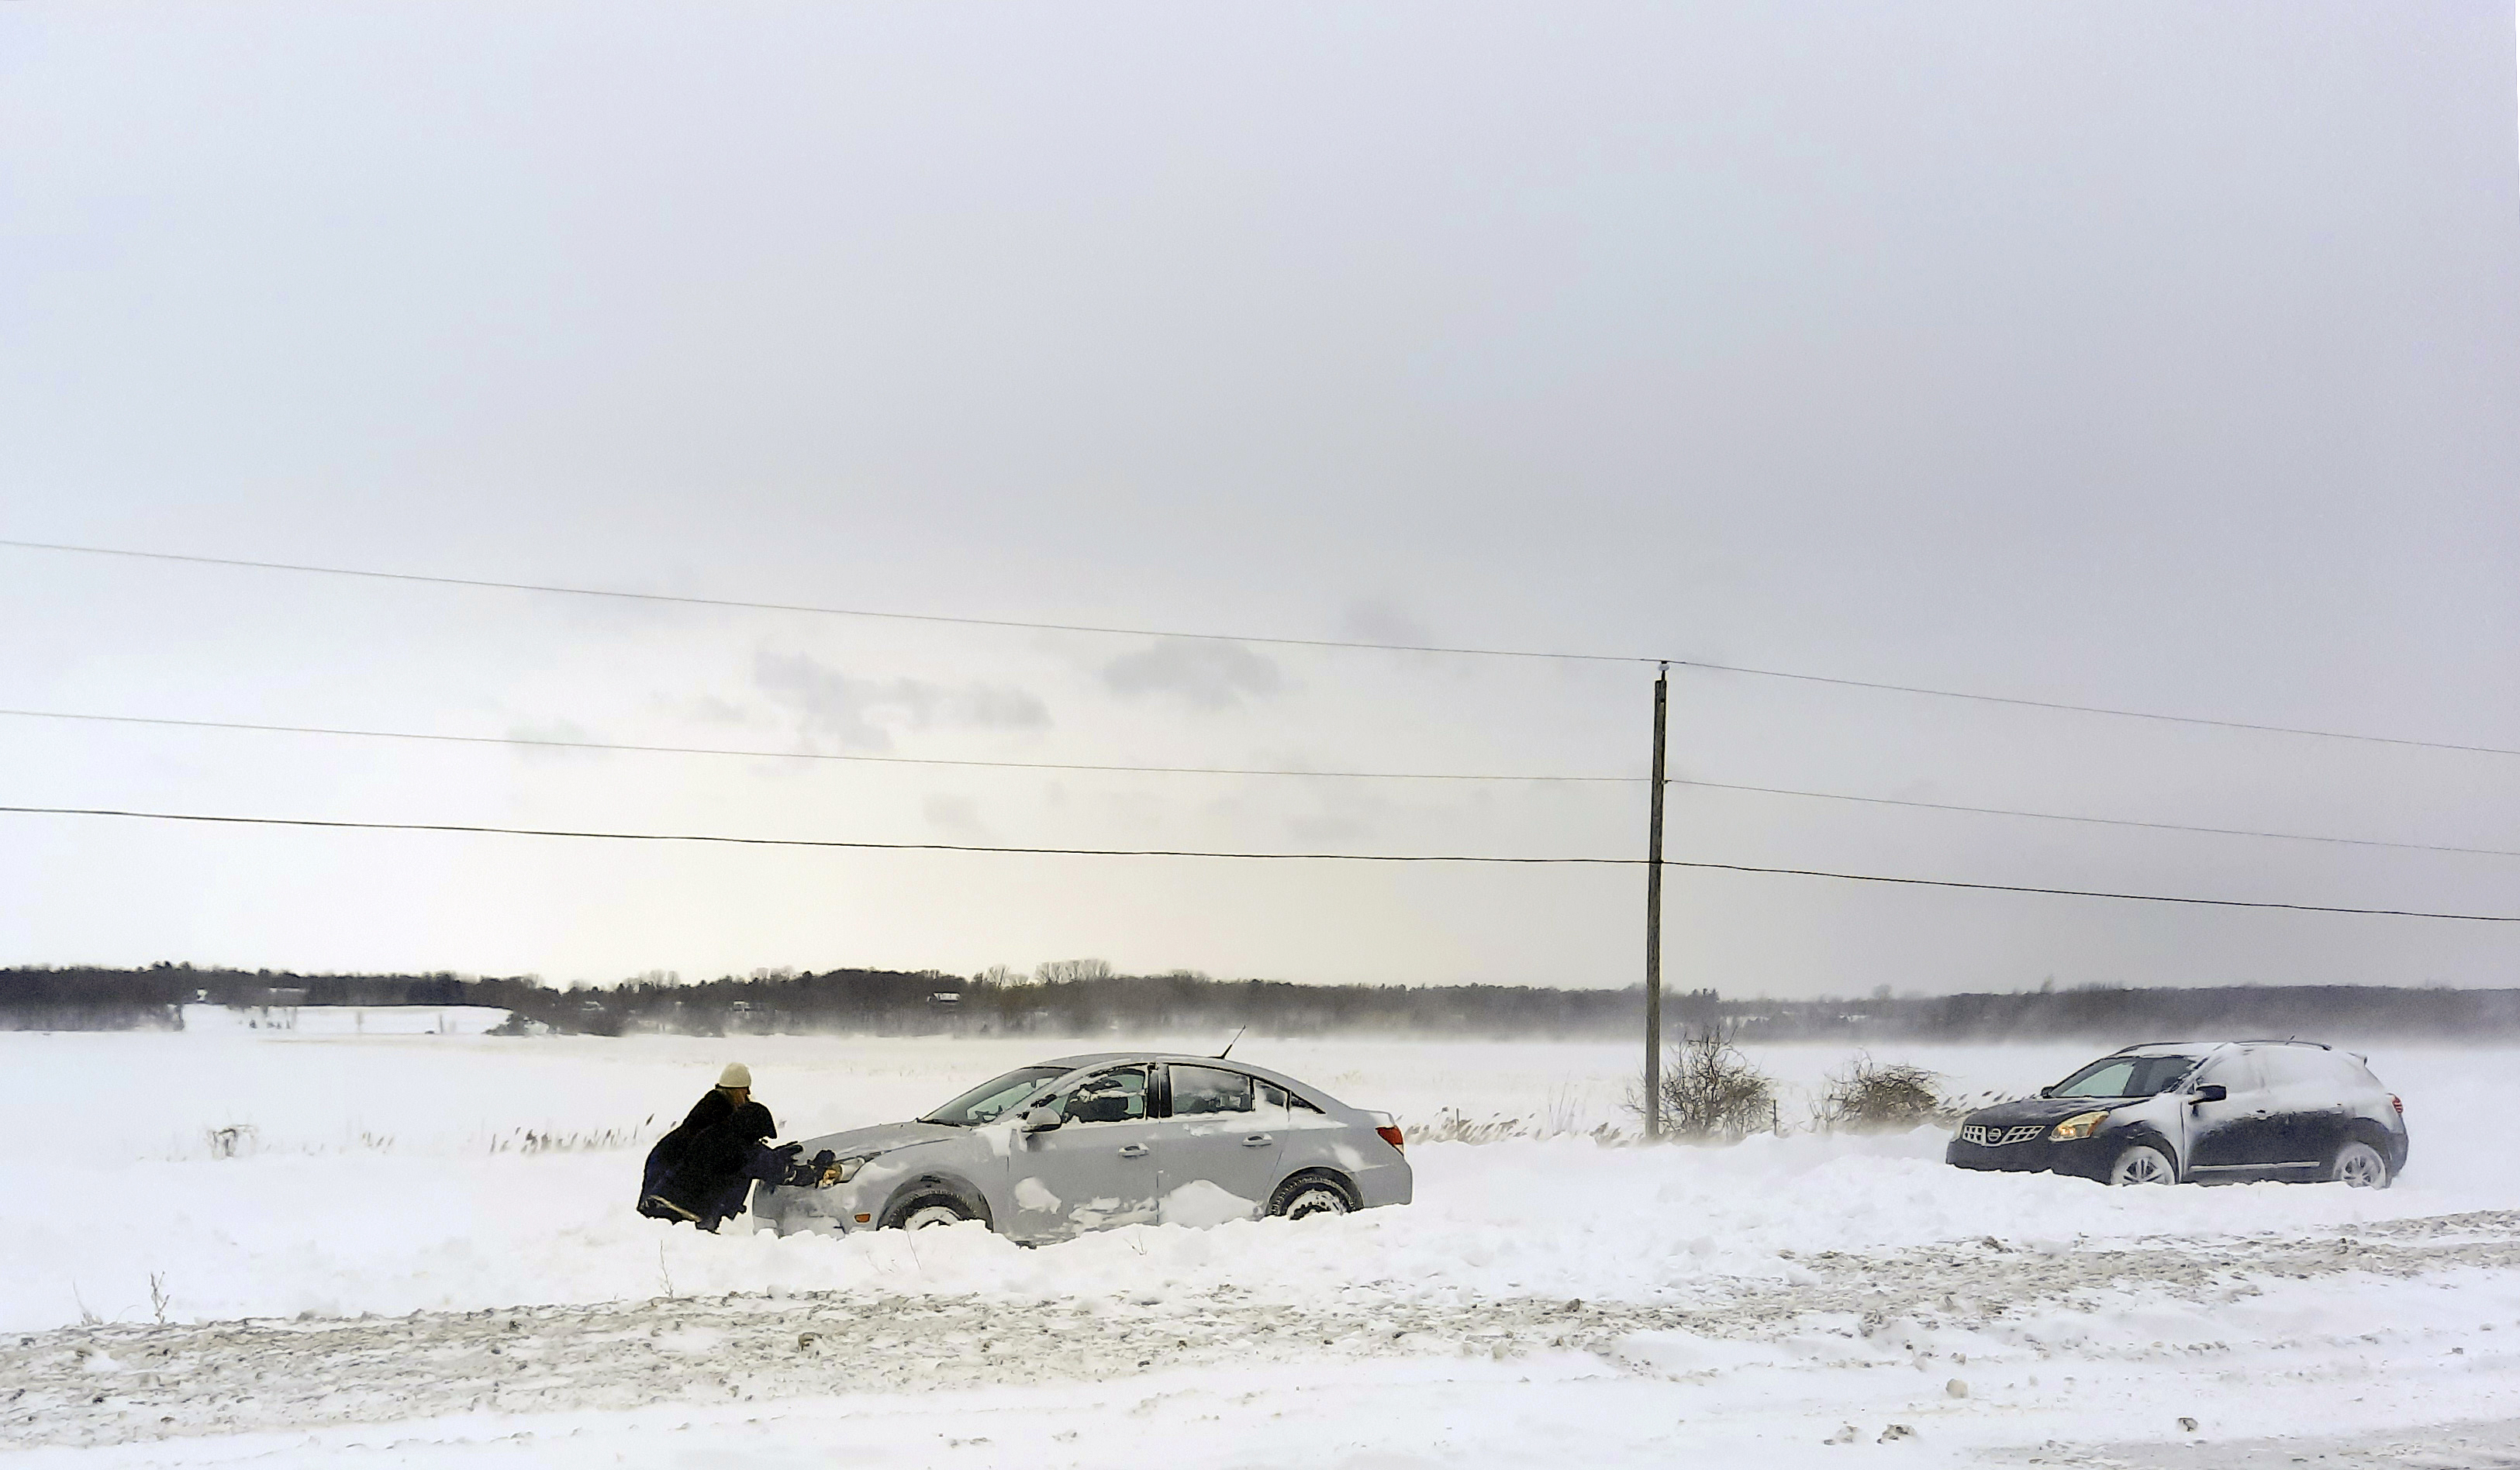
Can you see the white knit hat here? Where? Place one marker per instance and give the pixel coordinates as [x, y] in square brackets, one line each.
[736, 1075]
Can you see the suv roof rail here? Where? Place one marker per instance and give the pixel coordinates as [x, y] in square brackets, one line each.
[2244, 1040]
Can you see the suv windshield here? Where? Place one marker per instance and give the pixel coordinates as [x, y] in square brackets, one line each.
[994, 1096]
[2125, 1077]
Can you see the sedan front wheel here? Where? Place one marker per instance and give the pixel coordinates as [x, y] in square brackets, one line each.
[926, 1210]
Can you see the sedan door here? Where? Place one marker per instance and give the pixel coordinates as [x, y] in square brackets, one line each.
[1097, 1168]
[1221, 1151]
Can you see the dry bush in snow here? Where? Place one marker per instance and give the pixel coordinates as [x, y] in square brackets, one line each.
[1453, 1126]
[1711, 1090]
[1881, 1096]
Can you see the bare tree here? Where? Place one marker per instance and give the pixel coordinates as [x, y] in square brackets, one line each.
[1071, 971]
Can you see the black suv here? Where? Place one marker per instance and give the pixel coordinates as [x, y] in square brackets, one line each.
[2201, 1111]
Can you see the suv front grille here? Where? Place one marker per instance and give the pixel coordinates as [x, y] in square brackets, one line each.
[1997, 1137]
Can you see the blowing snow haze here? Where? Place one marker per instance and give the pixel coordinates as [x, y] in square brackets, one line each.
[2161, 360]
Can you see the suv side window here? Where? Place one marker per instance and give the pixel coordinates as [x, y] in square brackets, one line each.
[1118, 1095]
[2298, 1067]
[2237, 1071]
[2352, 1074]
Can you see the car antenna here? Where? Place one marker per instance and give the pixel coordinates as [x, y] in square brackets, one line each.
[1229, 1045]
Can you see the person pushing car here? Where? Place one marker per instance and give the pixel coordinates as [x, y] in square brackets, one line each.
[701, 1170]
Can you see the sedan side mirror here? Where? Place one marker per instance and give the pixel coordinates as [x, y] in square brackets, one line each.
[2212, 1092]
[1041, 1119]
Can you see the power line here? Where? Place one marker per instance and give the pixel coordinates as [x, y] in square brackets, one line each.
[683, 599]
[2134, 898]
[543, 742]
[2159, 827]
[479, 828]
[2098, 709]
[754, 753]
[1031, 625]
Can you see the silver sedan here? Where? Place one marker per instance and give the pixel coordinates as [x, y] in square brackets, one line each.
[1089, 1142]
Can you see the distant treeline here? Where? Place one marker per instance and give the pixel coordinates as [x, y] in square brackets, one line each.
[2121, 1016]
[1069, 999]
[1085, 998]
[87, 998]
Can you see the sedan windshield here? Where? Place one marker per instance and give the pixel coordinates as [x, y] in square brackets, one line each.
[2125, 1077]
[994, 1096]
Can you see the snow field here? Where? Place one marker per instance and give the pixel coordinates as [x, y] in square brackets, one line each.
[388, 1174]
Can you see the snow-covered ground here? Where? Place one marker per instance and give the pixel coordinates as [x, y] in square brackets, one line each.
[344, 1020]
[208, 1178]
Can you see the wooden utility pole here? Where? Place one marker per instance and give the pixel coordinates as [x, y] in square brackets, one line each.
[1653, 917]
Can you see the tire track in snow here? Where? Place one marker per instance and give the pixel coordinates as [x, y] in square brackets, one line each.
[117, 1383]
[2465, 1444]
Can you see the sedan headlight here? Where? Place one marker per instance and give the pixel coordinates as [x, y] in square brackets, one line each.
[2079, 1126]
[833, 1170]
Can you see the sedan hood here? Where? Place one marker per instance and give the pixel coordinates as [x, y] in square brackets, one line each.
[883, 1138]
[2025, 1110]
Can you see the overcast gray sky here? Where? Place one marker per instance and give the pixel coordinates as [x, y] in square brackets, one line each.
[2153, 356]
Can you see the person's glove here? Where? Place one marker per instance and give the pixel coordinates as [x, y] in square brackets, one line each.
[809, 1174]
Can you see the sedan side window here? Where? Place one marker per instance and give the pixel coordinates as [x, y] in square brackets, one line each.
[1273, 1095]
[1198, 1091]
[1118, 1095]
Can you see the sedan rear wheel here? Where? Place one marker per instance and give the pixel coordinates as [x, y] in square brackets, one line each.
[2361, 1166]
[1310, 1194]
[2143, 1163]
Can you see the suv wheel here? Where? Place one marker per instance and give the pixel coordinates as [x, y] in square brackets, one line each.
[2143, 1163]
[2361, 1166]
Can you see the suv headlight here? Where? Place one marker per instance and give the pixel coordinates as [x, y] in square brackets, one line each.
[2079, 1126]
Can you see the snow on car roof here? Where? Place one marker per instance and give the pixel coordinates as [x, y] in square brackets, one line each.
[1091, 1058]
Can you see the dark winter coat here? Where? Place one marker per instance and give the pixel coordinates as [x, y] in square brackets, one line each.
[710, 1112]
[706, 1162]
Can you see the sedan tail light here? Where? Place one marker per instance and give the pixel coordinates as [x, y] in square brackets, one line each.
[1390, 1134]
[2395, 1103]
